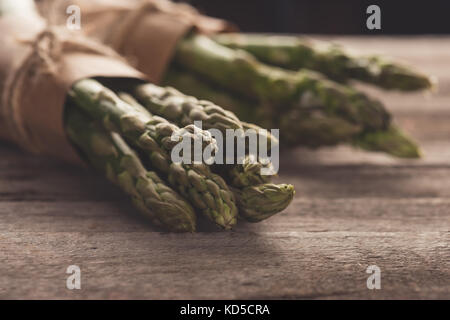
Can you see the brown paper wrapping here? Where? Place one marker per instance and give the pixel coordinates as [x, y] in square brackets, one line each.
[38, 65]
[144, 31]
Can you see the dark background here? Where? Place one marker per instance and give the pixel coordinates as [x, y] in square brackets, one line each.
[331, 16]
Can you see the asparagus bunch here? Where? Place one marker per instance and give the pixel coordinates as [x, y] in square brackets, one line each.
[312, 126]
[150, 134]
[309, 109]
[243, 74]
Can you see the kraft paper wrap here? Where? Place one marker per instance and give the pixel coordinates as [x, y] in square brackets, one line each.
[144, 31]
[38, 65]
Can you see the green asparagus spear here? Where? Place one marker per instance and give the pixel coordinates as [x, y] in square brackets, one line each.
[153, 135]
[128, 98]
[263, 201]
[391, 141]
[241, 72]
[184, 110]
[111, 155]
[312, 127]
[332, 60]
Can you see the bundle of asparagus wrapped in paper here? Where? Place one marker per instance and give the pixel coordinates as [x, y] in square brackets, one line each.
[308, 108]
[285, 82]
[132, 144]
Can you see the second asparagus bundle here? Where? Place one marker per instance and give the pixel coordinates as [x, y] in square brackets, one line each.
[314, 126]
[308, 108]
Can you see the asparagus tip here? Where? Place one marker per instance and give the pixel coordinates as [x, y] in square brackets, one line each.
[265, 200]
[391, 141]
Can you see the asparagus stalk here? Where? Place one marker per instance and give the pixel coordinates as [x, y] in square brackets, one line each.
[128, 98]
[313, 127]
[332, 60]
[205, 190]
[240, 72]
[111, 155]
[184, 110]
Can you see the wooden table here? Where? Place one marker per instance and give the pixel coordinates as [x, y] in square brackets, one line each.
[352, 209]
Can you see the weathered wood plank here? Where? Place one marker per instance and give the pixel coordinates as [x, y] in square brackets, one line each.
[263, 264]
[307, 214]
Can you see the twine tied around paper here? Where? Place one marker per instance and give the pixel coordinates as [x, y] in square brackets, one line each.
[46, 50]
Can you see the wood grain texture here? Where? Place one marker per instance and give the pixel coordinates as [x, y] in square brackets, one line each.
[352, 209]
